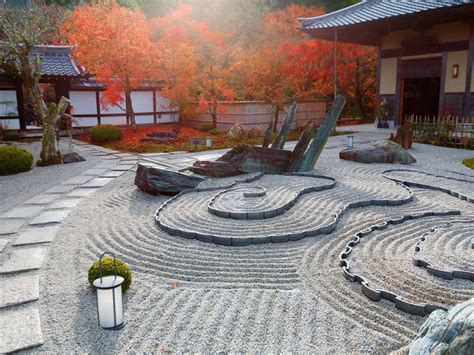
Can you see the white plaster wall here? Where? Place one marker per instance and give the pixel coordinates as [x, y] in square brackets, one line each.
[112, 109]
[144, 119]
[456, 84]
[115, 120]
[83, 102]
[9, 108]
[388, 76]
[85, 122]
[142, 101]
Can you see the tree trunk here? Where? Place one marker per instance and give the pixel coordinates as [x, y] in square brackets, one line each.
[277, 113]
[214, 117]
[280, 140]
[130, 112]
[268, 135]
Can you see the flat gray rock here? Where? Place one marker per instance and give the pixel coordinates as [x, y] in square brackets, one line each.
[387, 152]
[124, 167]
[49, 217]
[60, 189]
[16, 260]
[36, 235]
[98, 182]
[20, 328]
[41, 199]
[82, 192]
[3, 244]
[18, 289]
[66, 203]
[10, 226]
[23, 212]
[78, 180]
[113, 173]
[94, 171]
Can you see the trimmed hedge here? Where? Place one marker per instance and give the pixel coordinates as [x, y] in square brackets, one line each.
[108, 269]
[14, 160]
[215, 131]
[207, 127]
[106, 133]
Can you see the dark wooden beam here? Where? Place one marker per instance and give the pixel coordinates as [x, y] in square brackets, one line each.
[442, 84]
[470, 59]
[443, 47]
[154, 107]
[97, 103]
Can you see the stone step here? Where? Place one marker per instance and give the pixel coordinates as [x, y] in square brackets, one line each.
[18, 289]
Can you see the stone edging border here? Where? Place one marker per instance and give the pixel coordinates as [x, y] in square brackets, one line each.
[277, 238]
[271, 212]
[432, 270]
[377, 294]
[426, 186]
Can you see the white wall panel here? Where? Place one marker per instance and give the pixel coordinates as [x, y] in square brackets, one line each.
[85, 122]
[144, 119]
[115, 120]
[83, 102]
[162, 103]
[166, 118]
[142, 101]
[13, 123]
[9, 108]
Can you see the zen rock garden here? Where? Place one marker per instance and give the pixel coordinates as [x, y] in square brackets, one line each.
[173, 182]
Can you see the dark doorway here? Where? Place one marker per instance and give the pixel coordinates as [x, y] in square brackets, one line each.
[420, 96]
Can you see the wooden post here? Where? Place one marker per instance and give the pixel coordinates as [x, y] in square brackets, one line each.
[154, 106]
[97, 104]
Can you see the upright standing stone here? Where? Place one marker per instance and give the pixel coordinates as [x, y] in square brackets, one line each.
[318, 143]
[300, 148]
[268, 135]
[280, 140]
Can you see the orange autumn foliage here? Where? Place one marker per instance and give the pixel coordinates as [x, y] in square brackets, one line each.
[114, 42]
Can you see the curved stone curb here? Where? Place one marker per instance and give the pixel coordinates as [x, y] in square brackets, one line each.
[275, 238]
[377, 294]
[432, 270]
[431, 187]
[270, 213]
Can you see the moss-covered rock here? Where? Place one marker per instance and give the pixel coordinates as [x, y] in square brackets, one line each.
[108, 269]
[14, 160]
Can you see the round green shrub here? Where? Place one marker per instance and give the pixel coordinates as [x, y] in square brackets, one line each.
[108, 269]
[215, 131]
[469, 163]
[14, 160]
[206, 127]
[106, 133]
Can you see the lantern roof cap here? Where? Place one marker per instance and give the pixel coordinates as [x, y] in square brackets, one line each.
[108, 282]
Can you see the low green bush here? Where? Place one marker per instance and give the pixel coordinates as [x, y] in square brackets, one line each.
[14, 160]
[106, 133]
[215, 131]
[108, 269]
[207, 127]
[469, 163]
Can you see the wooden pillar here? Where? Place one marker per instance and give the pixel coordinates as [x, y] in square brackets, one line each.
[20, 101]
[97, 103]
[398, 95]
[379, 69]
[442, 83]
[154, 106]
[470, 58]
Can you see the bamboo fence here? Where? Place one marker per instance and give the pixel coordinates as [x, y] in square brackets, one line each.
[450, 131]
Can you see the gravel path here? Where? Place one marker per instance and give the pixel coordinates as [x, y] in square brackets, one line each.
[190, 296]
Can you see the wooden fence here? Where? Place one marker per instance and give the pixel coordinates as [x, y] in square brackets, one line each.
[449, 131]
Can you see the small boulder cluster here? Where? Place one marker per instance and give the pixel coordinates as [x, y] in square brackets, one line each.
[239, 132]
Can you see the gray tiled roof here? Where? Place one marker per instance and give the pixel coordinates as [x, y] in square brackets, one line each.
[371, 10]
[56, 60]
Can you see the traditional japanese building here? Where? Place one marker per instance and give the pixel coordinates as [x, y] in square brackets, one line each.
[61, 76]
[425, 51]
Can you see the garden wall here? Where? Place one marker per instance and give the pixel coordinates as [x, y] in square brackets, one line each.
[254, 113]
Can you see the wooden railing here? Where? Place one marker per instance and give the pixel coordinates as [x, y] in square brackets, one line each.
[448, 131]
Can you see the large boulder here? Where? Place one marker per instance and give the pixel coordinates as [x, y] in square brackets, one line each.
[73, 157]
[447, 332]
[160, 137]
[155, 180]
[245, 159]
[237, 132]
[378, 152]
